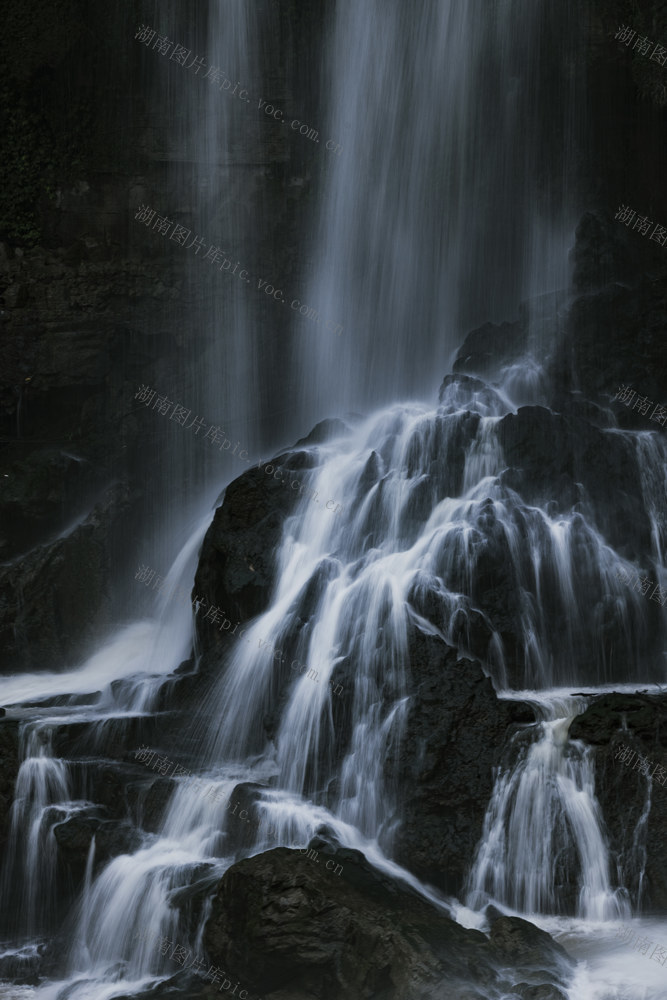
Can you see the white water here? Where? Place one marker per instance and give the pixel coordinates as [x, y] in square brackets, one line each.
[360, 582]
[41, 785]
[433, 219]
[406, 260]
[538, 809]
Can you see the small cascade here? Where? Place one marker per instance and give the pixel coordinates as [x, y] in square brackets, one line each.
[31, 861]
[131, 904]
[543, 833]
[638, 854]
[168, 641]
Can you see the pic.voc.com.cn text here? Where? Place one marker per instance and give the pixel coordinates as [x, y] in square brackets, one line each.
[182, 57]
[180, 415]
[178, 234]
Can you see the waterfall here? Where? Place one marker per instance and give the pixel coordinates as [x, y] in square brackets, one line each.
[212, 138]
[543, 829]
[438, 214]
[42, 787]
[408, 552]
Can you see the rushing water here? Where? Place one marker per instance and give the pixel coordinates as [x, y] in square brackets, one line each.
[438, 214]
[362, 580]
[433, 218]
[540, 806]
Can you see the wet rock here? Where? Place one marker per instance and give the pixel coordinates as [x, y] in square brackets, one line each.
[149, 799]
[23, 966]
[637, 841]
[455, 733]
[486, 349]
[114, 738]
[642, 716]
[518, 943]
[283, 922]
[553, 458]
[236, 565]
[75, 836]
[459, 391]
[288, 927]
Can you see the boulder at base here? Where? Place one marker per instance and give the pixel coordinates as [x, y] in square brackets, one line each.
[291, 926]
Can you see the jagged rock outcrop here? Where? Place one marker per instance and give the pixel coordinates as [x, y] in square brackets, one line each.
[565, 461]
[236, 568]
[455, 733]
[482, 347]
[237, 560]
[288, 927]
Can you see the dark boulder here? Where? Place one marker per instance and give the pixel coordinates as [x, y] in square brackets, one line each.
[236, 564]
[289, 926]
[455, 733]
[486, 349]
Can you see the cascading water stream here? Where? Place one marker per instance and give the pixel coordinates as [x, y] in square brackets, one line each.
[428, 507]
[450, 201]
[543, 830]
[350, 589]
[42, 786]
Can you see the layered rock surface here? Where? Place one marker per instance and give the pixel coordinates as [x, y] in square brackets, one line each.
[291, 929]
